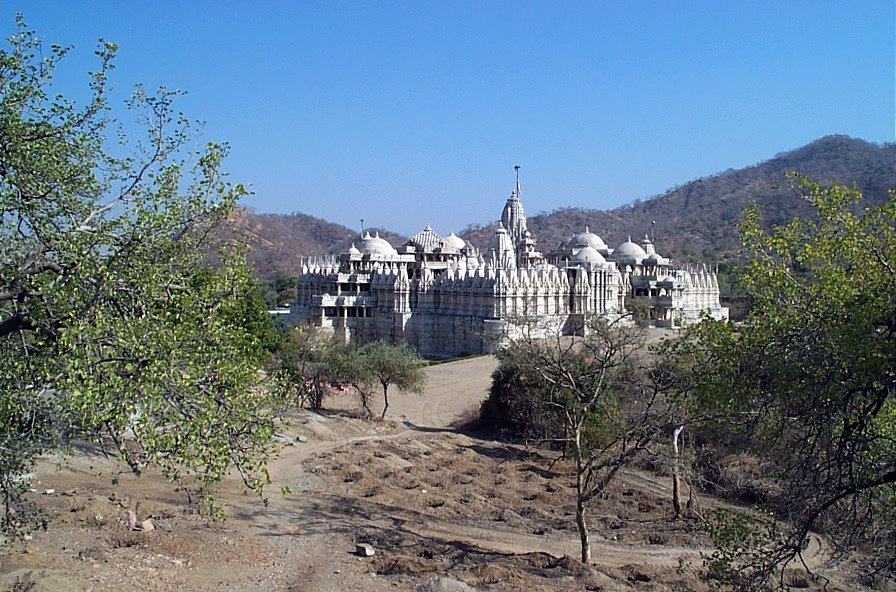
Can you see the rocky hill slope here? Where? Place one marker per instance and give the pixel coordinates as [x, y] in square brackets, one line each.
[695, 221]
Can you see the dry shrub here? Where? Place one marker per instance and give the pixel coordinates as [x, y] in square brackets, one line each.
[741, 476]
[400, 564]
[491, 574]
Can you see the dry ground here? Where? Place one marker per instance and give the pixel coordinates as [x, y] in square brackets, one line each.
[443, 510]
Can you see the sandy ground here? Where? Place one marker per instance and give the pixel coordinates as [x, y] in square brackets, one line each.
[442, 509]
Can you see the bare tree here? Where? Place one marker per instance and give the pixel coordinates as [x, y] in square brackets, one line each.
[609, 397]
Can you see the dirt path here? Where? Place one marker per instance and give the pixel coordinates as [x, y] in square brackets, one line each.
[432, 501]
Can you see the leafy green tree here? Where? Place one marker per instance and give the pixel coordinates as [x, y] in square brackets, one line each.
[394, 365]
[278, 291]
[516, 407]
[306, 365]
[808, 381]
[380, 365]
[113, 326]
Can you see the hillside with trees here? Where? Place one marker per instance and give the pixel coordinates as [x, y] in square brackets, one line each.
[696, 221]
[277, 242]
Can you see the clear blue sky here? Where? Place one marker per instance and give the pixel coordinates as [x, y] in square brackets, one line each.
[407, 113]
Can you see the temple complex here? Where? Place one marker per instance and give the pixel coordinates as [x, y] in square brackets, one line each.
[445, 298]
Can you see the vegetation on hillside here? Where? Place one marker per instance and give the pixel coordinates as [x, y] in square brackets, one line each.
[695, 221]
[806, 386]
[809, 380]
[279, 243]
[113, 327]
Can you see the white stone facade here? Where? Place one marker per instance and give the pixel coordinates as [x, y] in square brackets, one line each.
[442, 297]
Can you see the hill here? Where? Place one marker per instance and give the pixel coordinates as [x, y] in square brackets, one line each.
[279, 242]
[695, 221]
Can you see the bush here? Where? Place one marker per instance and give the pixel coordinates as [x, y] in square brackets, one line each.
[516, 406]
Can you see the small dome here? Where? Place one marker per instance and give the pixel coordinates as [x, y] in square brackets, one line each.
[452, 241]
[629, 250]
[353, 250]
[587, 239]
[588, 255]
[374, 245]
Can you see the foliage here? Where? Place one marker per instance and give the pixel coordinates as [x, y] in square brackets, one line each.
[309, 364]
[278, 291]
[112, 325]
[742, 543]
[809, 379]
[516, 407]
[380, 365]
[306, 366]
[599, 397]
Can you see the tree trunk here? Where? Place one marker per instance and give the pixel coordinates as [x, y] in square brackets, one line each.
[583, 531]
[385, 401]
[580, 500]
[693, 505]
[676, 472]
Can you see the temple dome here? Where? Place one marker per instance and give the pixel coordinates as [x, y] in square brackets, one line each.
[587, 239]
[353, 250]
[629, 250]
[452, 241]
[588, 254]
[374, 245]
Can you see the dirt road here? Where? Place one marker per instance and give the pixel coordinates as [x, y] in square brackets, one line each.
[433, 502]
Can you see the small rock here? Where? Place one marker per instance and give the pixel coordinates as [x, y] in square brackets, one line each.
[147, 525]
[131, 518]
[302, 439]
[365, 550]
[50, 492]
[445, 585]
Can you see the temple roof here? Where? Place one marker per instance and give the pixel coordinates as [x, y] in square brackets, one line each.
[629, 250]
[375, 245]
[453, 241]
[587, 239]
[426, 240]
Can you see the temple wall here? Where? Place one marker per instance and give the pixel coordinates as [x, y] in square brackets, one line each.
[442, 309]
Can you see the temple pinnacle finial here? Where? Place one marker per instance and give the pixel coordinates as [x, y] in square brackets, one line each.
[517, 169]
